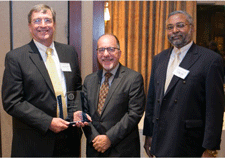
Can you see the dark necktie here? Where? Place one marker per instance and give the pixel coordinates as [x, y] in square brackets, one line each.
[103, 92]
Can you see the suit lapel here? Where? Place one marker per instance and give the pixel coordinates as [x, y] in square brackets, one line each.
[60, 53]
[162, 70]
[117, 79]
[188, 61]
[38, 61]
[63, 58]
[96, 88]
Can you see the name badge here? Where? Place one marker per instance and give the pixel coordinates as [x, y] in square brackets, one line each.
[65, 67]
[181, 72]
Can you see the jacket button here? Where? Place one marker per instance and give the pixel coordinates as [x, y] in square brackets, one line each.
[158, 101]
[157, 119]
[175, 101]
[158, 82]
[184, 82]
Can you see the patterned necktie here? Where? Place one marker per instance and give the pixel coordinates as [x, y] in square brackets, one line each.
[103, 92]
[170, 70]
[52, 71]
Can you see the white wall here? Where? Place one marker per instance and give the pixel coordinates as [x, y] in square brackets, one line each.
[5, 47]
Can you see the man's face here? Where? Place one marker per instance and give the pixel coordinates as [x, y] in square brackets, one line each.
[108, 59]
[42, 27]
[179, 31]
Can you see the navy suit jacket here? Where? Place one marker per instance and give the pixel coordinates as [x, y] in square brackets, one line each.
[188, 118]
[28, 96]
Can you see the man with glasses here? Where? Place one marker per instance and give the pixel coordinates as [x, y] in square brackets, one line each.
[33, 80]
[184, 111]
[114, 98]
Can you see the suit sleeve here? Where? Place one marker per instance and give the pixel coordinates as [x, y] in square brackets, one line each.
[135, 111]
[214, 105]
[149, 109]
[13, 98]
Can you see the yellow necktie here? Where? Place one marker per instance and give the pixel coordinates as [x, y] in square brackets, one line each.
[52, 71]
[170, 70]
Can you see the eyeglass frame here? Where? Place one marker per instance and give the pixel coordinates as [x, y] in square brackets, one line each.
[38, 21]
[177, 26]
[107, 48]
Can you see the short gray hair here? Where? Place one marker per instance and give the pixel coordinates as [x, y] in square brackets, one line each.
[189, 18]
[43, 8]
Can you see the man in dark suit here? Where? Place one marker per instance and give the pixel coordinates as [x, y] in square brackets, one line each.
[184, 113]
[28, 92]
[114, 127]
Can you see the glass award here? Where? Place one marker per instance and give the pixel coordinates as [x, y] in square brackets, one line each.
[75, 102]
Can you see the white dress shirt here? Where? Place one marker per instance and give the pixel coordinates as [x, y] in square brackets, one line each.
[42, 49]
[183, 51]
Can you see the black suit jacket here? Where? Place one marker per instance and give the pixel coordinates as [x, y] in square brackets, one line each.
[28, 96]
[121, 113]
[188, 118]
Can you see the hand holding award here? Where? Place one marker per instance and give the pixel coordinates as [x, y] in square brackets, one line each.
[80, 119]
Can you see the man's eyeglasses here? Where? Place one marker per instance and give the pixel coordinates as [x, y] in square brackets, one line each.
[39, 21]
[109, 50]
[178, 26]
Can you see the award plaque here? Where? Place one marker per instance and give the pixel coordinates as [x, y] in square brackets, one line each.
[75, 100]
[80, 117]
[72, 99]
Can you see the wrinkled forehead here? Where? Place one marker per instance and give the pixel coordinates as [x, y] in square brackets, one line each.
[43, 11]
[177, 18]
[107, 40]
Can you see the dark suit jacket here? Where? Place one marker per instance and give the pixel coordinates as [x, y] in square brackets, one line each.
[188, 118]
[121, 113]
[28, 96]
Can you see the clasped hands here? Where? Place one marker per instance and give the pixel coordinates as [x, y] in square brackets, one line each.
[57, 125]
[101, 143]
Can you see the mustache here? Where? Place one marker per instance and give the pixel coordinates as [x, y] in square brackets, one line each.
[175, 35]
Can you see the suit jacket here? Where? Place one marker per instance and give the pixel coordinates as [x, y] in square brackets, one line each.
[28, 96]
[121, 113]
[188, 118]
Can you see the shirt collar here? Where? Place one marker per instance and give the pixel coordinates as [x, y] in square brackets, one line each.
[184, 48]
[42, 47]
[112, 71]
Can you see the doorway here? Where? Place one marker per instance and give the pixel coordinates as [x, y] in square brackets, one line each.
[211, 27]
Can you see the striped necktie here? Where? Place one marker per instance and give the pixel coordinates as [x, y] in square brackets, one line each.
[103, 92]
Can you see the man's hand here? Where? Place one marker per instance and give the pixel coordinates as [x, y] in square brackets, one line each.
[101, 143]
[147, 145]
[78, 118]
[208, 154]
[57, 125]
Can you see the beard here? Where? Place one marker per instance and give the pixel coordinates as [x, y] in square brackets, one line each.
[108, 67]
[183, 39]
